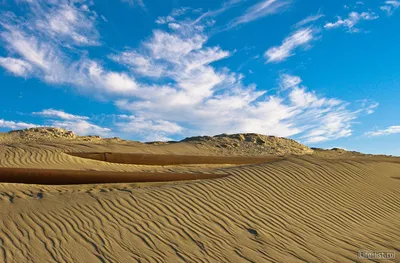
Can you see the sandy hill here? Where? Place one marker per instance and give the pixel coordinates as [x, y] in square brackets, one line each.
[243, 144]
[305, 206]
[251, 144]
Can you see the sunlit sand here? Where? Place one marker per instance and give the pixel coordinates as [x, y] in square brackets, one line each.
[310, 206]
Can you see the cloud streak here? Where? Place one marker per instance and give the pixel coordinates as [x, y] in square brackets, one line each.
[384, 132]
[351, 21]
[259, 10]
[301, 37]
[308, 20]
[59, 114]
[16, 66]
[390, 6]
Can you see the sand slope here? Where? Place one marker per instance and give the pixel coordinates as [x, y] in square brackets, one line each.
[301, 209]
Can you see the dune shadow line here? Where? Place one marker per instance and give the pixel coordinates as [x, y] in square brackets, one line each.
[171, 159]
[67, 177]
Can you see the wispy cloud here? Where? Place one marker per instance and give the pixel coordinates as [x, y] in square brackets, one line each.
[170, 85]
[369, 106]
[351, 21]
[213, 13]
[388, 131]
[209, 102]
[44, 59]
[158, 130]
[319, 119]
[301, 37]
[173, 16]
[68, 22]
[59, 114]
[44, 41]
[309, 19]
[16, 66]
[139, 63]
[289, 81]
[38, 41]
[134, 2]
[390, 6]
[261, 9]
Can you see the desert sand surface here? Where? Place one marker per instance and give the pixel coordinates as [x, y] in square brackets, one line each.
[266, 199]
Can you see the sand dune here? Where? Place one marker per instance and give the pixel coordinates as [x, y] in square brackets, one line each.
[300, 209]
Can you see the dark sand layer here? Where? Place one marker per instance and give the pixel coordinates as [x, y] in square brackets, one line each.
[66, 177]
[164, 159]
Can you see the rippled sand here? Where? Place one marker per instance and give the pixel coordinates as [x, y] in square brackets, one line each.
[299, 209]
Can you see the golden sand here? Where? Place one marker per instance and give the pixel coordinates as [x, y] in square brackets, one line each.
[308, 208]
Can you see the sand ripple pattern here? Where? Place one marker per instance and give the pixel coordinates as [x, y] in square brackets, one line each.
[304, 209]
[54, 156]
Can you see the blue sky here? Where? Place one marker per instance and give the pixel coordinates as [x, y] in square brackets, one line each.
[325, 73]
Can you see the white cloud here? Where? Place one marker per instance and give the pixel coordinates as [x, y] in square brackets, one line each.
[353, 19]
[44, 41]
[165, 20]
[45, 59]
[173, 16]
[369, 106]
[173, 86]
[289, 81]
[38, 54]
[108, 81]
[15, 125]
[172, 47]
[388, 131]
[300, 98]
[191, 97]
[180, 11]
[179, 59]
[59, 114]
[309, 19]
[333, 125]
[317, 118]
[82, 127]
[66, 21]
[18, 67]
[174, 26]
[301, 37]
[261, 9]
[44, 56]
[78, 124]
[149, 130]
[177, 12]
[297, 112]
[140, 64]
[390, 6]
